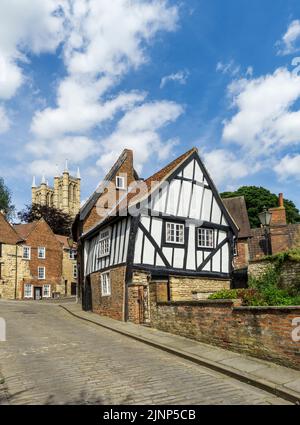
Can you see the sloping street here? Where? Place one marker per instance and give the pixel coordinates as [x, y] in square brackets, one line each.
[52, 358]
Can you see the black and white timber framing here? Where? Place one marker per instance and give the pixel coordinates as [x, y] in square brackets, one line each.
[187, 196]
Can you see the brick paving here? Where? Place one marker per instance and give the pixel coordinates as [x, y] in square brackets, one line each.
[51, 357]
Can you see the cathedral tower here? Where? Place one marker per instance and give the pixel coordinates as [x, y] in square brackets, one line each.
[65, 195]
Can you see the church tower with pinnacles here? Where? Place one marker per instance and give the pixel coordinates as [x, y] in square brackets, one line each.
[65, 195]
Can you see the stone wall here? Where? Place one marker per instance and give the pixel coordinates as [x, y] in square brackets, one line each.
[189, 288]
[113, 305]
[264, 332]
[289, 273]
[13, 271]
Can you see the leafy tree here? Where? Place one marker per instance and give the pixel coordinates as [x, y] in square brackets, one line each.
[59, 221]
[257, 198]
[5, 200]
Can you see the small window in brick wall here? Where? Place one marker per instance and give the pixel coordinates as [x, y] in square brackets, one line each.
[105, 284]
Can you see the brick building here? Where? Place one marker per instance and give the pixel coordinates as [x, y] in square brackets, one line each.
[171, 230]
[34, 262]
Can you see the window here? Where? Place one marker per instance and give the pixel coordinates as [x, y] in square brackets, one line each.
[120, 182]
[175, 233]
[105, 284]
[75, 271]
[46, 291]
[41, 273]
[28, 290]
[26, 252]
[41, 252]
[205, 238]
[104, 243]
[72, 254]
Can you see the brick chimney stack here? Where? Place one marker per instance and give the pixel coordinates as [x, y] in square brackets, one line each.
[278, 213]
[278, 230]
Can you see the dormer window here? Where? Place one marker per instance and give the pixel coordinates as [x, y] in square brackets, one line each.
[120, 182]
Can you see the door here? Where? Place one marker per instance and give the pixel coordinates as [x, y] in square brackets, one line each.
[37, 293]
[87, 295]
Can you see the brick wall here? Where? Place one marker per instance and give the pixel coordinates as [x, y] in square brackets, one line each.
[241, 261]
[126, 170]
[264, 332]
[113, 305]
[42, 236]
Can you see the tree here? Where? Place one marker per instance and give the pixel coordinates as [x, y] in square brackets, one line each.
[59, 221]
[5, 200]
[257, 198]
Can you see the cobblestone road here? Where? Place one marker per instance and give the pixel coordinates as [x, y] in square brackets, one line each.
[52, 358]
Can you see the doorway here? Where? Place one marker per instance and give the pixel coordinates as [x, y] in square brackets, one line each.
[37, 293]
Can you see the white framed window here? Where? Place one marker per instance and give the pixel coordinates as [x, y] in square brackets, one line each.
[47, 291]
[41, 273]
[120, 182]
[175, 233]
[75, 271]
[104, 243]
[72, 254]
[205, 238]
[28, 290]
[41, 252]
[26, 252]
[105, 284]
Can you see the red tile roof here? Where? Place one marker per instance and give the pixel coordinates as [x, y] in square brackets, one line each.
[25, 229]
[64, 241]
[8, 235]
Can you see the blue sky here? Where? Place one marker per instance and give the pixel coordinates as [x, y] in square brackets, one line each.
[83, 79]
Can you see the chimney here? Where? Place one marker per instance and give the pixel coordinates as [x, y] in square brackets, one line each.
[279, 229]
[278, 213]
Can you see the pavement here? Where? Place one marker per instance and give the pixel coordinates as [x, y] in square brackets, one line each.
[52, 357]
[278, 380]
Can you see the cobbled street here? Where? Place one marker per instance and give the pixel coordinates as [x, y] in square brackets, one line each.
[51, 357]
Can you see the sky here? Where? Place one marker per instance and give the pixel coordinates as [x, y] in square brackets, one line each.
[84, 79]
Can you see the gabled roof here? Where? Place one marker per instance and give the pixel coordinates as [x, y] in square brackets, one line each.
[8, 235]
[152, 183]
[236, 207]
[86, 208]
[24, 230]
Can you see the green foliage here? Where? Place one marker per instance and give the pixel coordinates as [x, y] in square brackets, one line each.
[263, 291]
[59, 221]
[281, 257]
[257, 198]
[5, 200]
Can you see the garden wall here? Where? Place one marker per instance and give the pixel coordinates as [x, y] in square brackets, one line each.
[264, 332]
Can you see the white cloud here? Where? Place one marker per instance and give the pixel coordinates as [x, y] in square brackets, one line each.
[105, 40]
[4, 120]
[26, 26]
[138, 130]
[225, 167]
[180, 76]
[49, 156]
[288, 167]
[290, 41]
[80, 108]
[264, 121]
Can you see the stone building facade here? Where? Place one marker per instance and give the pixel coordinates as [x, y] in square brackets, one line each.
[65, 195]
